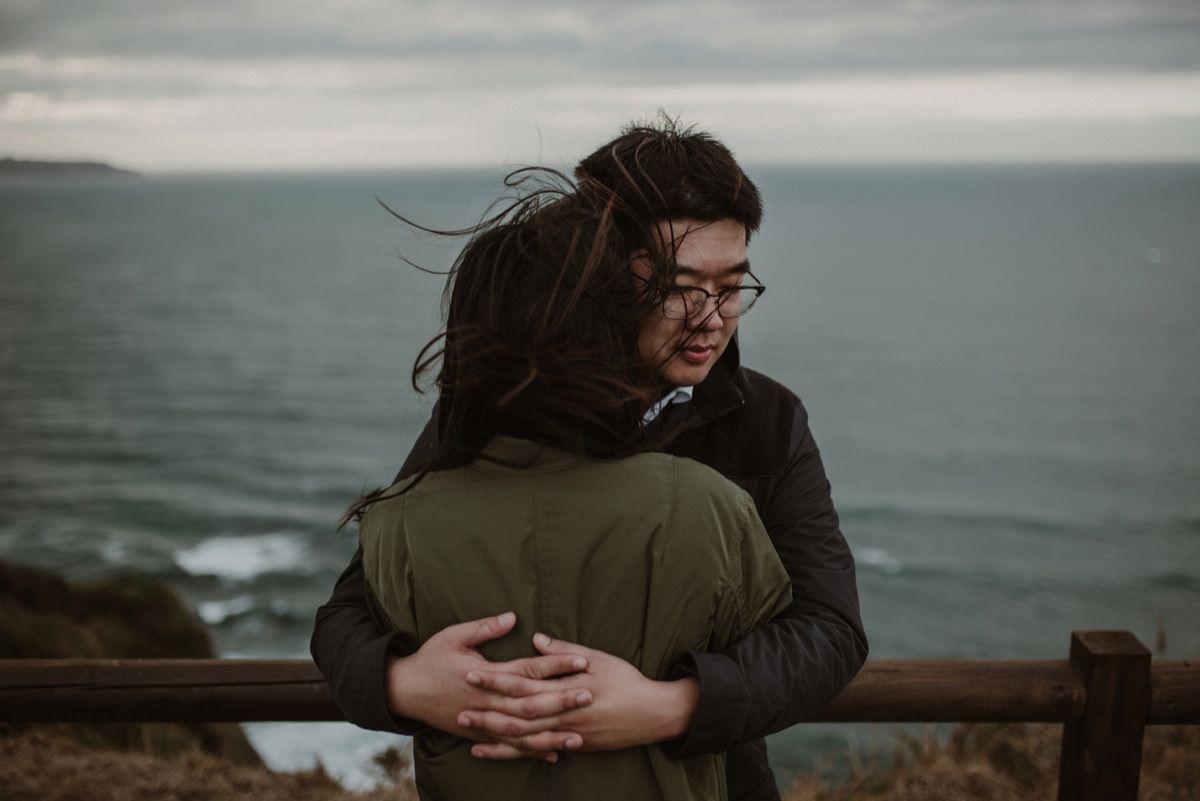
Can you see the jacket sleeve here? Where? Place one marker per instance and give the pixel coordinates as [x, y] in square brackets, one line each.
[787, 670]
[350, 648]
[757, 588]
[765, 590]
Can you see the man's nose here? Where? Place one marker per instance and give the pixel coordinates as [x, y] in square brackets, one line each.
[707, 318]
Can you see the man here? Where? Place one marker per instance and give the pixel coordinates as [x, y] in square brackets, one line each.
[739, 422]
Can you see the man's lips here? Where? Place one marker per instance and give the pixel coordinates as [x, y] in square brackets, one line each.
[697, 354]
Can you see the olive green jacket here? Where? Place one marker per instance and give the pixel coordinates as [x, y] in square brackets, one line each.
[646, 558]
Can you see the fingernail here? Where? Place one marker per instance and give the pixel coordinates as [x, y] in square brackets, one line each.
[464, 720]
[473, 678]
[506, 618]
[583, 698]
[579, 664]
[541, 639]
[573, 742]
[552, 756]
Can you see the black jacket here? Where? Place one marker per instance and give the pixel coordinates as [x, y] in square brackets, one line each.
[755, 432]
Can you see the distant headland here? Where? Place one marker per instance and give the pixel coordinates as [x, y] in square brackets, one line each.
[20, 168]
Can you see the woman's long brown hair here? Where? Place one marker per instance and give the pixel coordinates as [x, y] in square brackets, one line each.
[542, 318]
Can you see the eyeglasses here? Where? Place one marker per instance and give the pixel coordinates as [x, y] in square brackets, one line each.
[685, 302]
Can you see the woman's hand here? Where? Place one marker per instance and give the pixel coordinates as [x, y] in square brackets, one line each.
[433, 686]
[626, 709]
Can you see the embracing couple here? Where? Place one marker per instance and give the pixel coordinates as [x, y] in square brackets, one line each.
[611, 564]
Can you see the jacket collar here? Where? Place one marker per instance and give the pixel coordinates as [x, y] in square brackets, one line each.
[720, 393]
[508, 454]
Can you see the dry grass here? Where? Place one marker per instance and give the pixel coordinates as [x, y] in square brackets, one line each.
[978, 763]
[36, 766]
[984, 762]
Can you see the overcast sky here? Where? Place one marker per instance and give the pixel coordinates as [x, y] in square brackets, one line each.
[232, 84]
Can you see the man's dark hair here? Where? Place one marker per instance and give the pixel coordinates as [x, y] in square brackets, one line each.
[658, 170]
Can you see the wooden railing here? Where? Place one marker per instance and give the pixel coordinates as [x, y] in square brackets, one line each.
[1105, 695]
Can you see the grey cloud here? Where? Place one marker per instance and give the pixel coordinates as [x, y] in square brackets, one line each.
[673, 40]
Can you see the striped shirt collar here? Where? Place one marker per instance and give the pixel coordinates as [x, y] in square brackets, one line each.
[677, 395]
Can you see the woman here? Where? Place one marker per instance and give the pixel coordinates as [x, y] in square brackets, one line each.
[542, 496]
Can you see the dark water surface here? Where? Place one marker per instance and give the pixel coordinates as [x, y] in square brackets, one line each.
[1002, 366]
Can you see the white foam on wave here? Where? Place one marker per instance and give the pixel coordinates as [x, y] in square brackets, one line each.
[114, 552]
[216, 612]
[243, 558]
[879, 559]
[345, 751]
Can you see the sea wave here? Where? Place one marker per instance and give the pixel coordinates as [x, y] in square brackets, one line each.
[917, 512]
[1064, 520]
[216, 612]
[879, 560]
[1175, 580]
[253, 618]
[244, 558]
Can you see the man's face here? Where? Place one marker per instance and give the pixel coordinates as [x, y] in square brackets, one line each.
[710, 255]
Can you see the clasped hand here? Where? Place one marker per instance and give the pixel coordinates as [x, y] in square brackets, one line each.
[567, 698]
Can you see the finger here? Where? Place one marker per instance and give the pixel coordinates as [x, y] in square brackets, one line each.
[544, 667]
[543, 705]
[511, 685]
[548, 645]
[474, 632]
[508, 752]
[547, 741]
[502, 726]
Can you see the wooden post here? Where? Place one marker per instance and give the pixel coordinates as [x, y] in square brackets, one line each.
[1102, 750]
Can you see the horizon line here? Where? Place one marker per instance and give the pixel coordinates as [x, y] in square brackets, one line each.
[748, 164]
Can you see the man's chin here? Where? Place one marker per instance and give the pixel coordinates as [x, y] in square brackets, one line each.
[678, 373]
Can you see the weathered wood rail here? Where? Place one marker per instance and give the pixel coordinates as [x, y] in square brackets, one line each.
[1105, 695]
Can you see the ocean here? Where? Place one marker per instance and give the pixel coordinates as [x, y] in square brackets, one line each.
[1001, 364]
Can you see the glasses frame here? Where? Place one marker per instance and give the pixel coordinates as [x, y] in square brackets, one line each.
[721, 297]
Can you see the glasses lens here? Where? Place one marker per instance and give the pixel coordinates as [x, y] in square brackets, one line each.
[675, 306]
[683, 303]
[739, 302]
